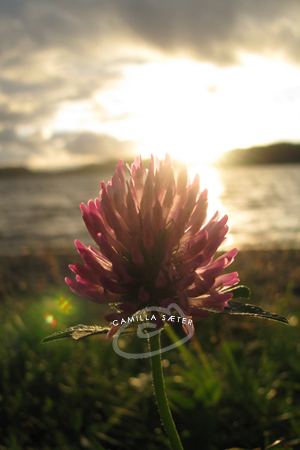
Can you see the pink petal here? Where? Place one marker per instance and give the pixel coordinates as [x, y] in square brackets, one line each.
[147, 232]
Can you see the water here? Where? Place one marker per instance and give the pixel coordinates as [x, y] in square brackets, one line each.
[263, 204]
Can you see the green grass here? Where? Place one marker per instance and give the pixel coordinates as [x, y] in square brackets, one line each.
[237, 384]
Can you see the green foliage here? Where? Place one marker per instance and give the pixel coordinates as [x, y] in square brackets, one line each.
[234, 308]
[240, 291]
[77, 332]
[235, 385]
[244, 309]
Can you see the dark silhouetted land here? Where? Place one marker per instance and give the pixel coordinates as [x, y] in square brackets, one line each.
[282, 153]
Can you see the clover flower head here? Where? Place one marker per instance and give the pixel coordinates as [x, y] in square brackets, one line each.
[155, 247]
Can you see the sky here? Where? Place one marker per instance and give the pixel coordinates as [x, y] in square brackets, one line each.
[84, 81]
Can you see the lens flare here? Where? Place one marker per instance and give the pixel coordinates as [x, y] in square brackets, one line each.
[64, 305]
[50, 319]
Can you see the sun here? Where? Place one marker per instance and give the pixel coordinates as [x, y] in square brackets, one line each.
[166, 105]
[170, 109]
[196, 111]
[191, 110]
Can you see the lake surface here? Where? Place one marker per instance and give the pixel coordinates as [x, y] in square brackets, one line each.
[263, 204]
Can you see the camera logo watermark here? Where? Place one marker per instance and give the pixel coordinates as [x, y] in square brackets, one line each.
[166, 316]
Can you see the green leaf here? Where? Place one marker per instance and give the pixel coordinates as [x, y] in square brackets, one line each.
[77, 332]
[244, 309]
[240, 292]
[235, 448]
[276, 444]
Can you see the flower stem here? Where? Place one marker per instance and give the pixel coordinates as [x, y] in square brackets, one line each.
[160, 393]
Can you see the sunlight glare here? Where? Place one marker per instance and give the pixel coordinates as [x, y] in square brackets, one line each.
[197, 111]
[73, 117]
[209, 179]
[191, 110]
[167, 103]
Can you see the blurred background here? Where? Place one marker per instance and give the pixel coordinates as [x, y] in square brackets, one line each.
[84, 83]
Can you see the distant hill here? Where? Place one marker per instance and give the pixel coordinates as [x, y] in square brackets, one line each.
[282, 153]
[107, 167]
[7, 172]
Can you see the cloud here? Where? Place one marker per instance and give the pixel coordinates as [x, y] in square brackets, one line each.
[214, 30]
[69, 149]
[15, 150]
[54, 52]
[8, 135]
[99, 145]
[217, 31]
